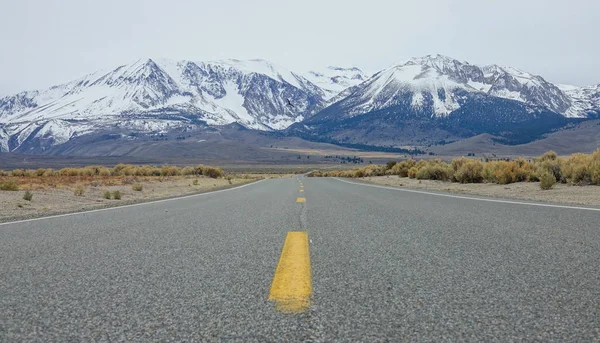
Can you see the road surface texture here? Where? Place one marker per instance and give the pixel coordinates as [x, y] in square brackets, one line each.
[386, 265]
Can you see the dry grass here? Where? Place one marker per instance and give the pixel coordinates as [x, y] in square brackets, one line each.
[74, 189]
[118, 170]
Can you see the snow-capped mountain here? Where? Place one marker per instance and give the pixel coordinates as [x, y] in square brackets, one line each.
[584, 100]
[478, 99]
[157, 95]
[333, 80]
[444, 81]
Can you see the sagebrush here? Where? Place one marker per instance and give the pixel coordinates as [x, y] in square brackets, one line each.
[577, 169]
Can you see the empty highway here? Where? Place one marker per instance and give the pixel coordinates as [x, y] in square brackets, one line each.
[365, 263]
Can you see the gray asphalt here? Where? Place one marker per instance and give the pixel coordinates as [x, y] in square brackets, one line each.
[387, 265]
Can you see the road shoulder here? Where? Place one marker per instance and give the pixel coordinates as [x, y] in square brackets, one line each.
[560, 194]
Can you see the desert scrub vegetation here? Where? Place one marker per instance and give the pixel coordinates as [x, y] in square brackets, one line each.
[28, 195]
[106, 195]
[137, 187]
[116, 195]
[547, 180]
[119, 170]
[95, 176]
[9, 185]
[549, 169]
[79, 191]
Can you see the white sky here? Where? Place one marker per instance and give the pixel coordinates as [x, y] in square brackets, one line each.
[46, 42]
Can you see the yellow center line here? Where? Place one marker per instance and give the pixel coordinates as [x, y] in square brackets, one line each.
[302, 191]
[301, 200]
[292, 287]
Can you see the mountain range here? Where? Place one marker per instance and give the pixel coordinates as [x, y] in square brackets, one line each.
[425, 100]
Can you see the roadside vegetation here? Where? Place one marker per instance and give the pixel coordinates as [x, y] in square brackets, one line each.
[28, 193]
[79, 179]
[118, 170]
[548, 169]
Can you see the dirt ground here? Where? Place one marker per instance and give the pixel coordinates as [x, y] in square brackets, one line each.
[57, 196]
[560, 193]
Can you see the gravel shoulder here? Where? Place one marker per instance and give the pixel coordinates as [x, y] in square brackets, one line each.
[52, 199]
[560, 193]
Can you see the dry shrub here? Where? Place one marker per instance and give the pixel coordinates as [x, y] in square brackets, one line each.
[547, 156]
[188, 171]
[412, 172]
[505, 172]
[79, 191]
[435, 171]
[401, 168]
[213, 172]
[9, 185]
[17, 172]
[116, 195]
[195, 182]
[137, 187]
[467, 171]
[28, 196]
[594, 167]
[550, 166]
[547, 180]
[576, 169]
[106, 195]
[117, 170]
[169, 171]
[68, 172]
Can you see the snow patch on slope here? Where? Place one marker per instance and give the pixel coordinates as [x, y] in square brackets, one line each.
[334, 80]
[260, 66]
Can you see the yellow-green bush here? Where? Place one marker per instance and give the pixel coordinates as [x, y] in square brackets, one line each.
[213, 172]
[594, 167]
[468, 171]
[188, 171]
[9, 185]
[17, 172]
[401, 168]
[576, 169]
[169, 171]
[547, 180]
[435, 170]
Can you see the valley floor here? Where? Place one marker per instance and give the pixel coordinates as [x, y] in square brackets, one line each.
[52, 197]
[560, 193]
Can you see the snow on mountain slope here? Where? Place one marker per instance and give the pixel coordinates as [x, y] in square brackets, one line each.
[139, 95]
[153, 96]
[584, 100]
[333, 80]
[443, 83]
[514, 84]
[259, 66]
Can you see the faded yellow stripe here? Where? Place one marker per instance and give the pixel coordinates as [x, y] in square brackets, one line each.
[291, 287]
[301, 200]
[302, 191]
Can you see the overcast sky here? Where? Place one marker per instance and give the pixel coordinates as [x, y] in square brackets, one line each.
[46, 42]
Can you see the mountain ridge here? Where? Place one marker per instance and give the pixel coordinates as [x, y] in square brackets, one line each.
[152, 96]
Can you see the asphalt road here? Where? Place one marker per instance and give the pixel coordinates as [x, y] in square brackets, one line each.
[387, 265]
